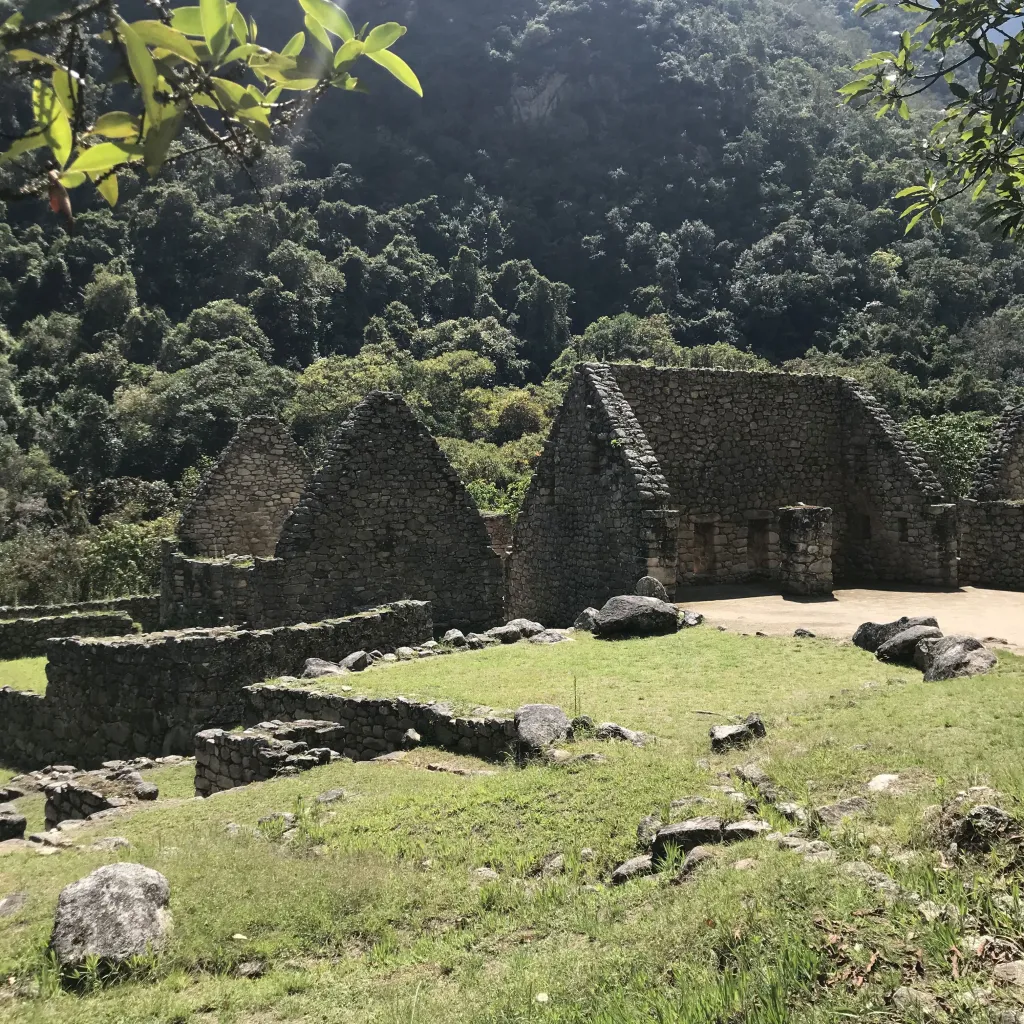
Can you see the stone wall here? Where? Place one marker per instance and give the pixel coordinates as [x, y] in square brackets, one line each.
[992, 544]
[385, 518]
[597, 515]
[145, 610]
[736, 446]
[242, 503]
[1000, 475]
[805, 550]
[150, 694]
[204, 592]
[26, 638]
[499, 529]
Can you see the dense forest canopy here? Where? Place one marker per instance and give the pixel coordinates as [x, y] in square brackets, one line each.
[666, 180]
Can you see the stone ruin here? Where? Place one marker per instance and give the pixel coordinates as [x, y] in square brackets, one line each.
[242, 502]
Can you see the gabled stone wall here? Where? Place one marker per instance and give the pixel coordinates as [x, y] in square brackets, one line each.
[242, 503]
[1000, 476]
[386, 518]
[204, 592]
[992, 544]
[597, 515]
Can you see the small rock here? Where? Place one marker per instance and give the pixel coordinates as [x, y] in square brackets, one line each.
[315, 668]
[688, 619]
[549, 636]
[648, 586]
[876, 879]
[283, 817]
[485, 875]
[582, 725]
[146, 791]
[725, 737]
[12, 903]
[685, 835]
[356, 661]
[804, 633]
[932, 911]
[558, 756]
[953, 657]
[406, 654]
[613, 731]
[527, 628]
[1010, 974]
[883, 783]
[331, 796]
[505, 634]
[749, 828]
[411, 738]
[832, 814]
[590, 758]
[871, 635]
[633, 868]
[746, 864]
[553, 864]
[586, 620]
[587, 854]
[251, 969]
[540, 725]
[647, 830]
[914, 1000]
[108, 844]
[12, 825]
[392, 755]
[117, 912]
[454, 638]
[981, 828]
[699, 856]
[389, 658]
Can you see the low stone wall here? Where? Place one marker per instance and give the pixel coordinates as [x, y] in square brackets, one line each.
[225, 760]
[377, 726]
[145, 609]
[26, 638]
[150, 694]
[204, 592]
[992, 544]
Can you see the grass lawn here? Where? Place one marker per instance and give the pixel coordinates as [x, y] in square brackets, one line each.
[24, 674]
[372, 913]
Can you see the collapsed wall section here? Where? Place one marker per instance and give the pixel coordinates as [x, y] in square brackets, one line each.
[26, 638]
[597, 514]
[145, 609]
[242, 503]
[992, 544]
[116, 698]
[1000, 476]
[387, 517]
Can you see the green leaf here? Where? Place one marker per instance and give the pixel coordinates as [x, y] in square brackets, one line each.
[331, 16]
[107, 187]
[143, 69]
[188, 20]
[28, 142]
[159, 139]
[937, 217]
[316, 30]
[117, 124]
[243, 52]
[66, 88]
[383, 36]
[31, 55]
[294, 45]
[216, 27]
[904, 110]
[913, 190]
[52, 121]
[393, 63]
[348, 52]
[156, 33]
[913, 222]
[74, 179]
[105, 156]
[239, 29]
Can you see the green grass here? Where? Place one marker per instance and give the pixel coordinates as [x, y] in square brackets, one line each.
[24, 674]
[355, 927]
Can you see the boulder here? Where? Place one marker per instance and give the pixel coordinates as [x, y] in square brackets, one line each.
[145, 791]
[632, 615]
[548, 636]
[697, 857]
[832, 814]
[614, 731]
[952, 657]
[12, 825]
[505, 634]
[317, 667]
[478, 641]
[981, 828]
[748, 828]
[804, 634]
[526, 627]
[634, 868]
[649, 586]
[647, 830]
[540, 725]
[685, 835]
[117, 912]
[871, 635]
[406, 654]
[454, 638]
[356, 661]
[725, 737]
[687, 619]
[899, 649]
[586, 620]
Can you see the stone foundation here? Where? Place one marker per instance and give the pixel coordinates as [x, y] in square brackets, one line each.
[150, 694]
[992, 544]
[26, 638]
[90, 793]
[144, 610]
[805, 550]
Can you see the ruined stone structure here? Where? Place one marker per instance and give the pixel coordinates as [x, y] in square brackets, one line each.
[204, 592]
[144, 610]
[385, 518]
[681, 472]
[805, 550]
[242, 503]
[1000, 475]
[149, 694]
[26, 638]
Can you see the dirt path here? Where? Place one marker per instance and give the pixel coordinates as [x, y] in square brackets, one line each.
[981, 613]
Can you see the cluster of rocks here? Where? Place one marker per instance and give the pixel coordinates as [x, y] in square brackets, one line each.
[920, 642]
[88, 793]
[637, 615]
[727, 737]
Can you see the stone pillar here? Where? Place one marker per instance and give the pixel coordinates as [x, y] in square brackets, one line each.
[658, 537]
[805, 549]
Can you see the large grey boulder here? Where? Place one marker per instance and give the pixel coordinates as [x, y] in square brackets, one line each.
[117, 912]
[508, 634]
[315, 668]
[586, 620]
[899, 649]
[952, 657]
[649, 586]
[526, 627]
[12, 824]
[356, 661]
[871, 635]
[631, 615]
[540, 725]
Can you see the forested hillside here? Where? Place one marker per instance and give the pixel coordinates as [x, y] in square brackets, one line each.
[643, 179]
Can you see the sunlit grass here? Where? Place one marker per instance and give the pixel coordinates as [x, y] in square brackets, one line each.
[24, 674]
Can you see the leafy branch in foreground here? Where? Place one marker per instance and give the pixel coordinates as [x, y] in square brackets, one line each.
[197, 78]
[972, 50]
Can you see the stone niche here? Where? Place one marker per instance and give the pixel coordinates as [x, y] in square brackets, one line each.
[805, 542]
[385, 518]
[242, 503]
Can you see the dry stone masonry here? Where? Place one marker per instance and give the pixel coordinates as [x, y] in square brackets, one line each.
[26, 638]
[204, 592]
[385, 518]
[1000, 475]
[144, 610]
[149, 694]
[242, 503]
[992, 544]
[680, 473]
[805, 550]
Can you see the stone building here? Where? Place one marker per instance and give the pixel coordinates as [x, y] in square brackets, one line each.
[242, 503]
[385, 518]
[1000, 475]
[681, 473]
